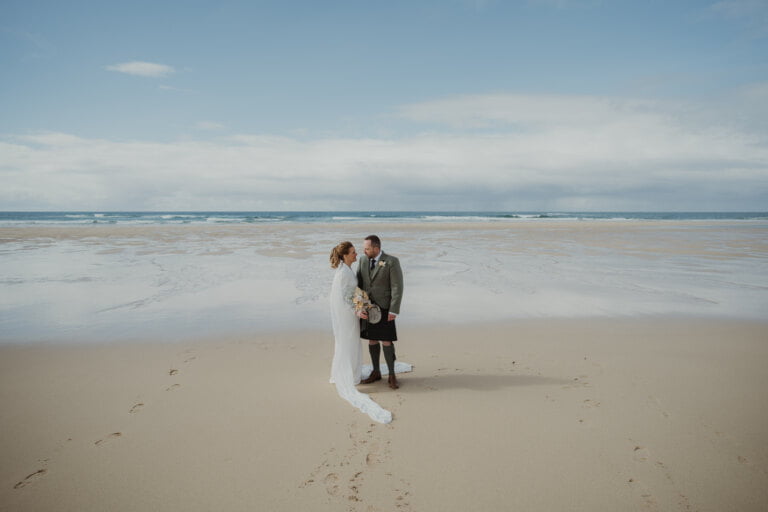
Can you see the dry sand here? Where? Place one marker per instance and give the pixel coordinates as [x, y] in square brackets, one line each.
[593, 415]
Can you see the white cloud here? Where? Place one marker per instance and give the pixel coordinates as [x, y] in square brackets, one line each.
[138, 68]
[525, 111]
[544, 152]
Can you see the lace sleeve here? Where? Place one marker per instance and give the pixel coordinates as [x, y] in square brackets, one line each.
[348, 285]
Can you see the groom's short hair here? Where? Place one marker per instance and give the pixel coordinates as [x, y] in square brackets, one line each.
[375, 241]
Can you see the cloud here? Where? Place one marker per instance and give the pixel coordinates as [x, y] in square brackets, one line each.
[500, 152]
[138, 68]
[528, 111]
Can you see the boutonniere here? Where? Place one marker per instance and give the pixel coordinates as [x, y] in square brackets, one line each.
[382, 263]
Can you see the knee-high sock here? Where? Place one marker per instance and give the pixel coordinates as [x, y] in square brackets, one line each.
[389, 357]
[375, 351]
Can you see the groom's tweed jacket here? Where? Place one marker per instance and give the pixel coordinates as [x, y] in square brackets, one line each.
[383, 284]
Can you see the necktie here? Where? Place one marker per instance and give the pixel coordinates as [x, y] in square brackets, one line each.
[373, 263]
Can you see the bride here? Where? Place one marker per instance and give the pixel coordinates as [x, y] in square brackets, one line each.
[347, 366]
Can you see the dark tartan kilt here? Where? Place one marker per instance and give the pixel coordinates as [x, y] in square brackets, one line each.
[382, 331]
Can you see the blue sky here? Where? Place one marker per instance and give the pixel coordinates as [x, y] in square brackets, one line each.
[454, 104]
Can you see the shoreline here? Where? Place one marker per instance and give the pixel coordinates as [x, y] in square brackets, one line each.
[388, 223]
[295, 333]
[537, 414]
[100, 282]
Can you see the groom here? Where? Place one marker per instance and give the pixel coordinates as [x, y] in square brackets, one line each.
[379, 274]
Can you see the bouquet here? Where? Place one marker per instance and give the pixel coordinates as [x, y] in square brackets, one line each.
[363, 303]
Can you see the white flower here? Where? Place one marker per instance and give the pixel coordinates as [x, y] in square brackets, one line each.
[382, 263]
[361, 300]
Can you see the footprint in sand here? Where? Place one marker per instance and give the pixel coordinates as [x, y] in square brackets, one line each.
[171, 388]
[403, 493]
[323, 466]
[136, 408]
[641, 454]
[343, 473]
[30, 478]
[331, 484]
[648, 502]
[373, 457]
[173, 372]
[188, 355]
[354, 487]
[111, 436]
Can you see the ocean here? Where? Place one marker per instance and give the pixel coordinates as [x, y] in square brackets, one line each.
[112, 276]
[76, 218]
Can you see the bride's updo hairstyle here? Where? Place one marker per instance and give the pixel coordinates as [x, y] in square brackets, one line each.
[338, 253]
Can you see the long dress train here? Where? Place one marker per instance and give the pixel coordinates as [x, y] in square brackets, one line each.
[347, 357]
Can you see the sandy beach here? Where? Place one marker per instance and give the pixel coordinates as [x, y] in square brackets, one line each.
[606, 415]
[572, 202]
[579, 366]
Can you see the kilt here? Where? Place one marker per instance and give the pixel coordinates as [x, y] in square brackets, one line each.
[382, 331]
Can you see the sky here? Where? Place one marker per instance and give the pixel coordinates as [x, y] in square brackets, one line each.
[471, 105]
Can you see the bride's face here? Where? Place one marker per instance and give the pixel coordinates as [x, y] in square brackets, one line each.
[351, 256]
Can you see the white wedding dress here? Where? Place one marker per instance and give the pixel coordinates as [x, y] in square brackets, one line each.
[347, 368]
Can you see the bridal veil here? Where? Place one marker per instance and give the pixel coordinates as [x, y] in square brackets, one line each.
[347, 367]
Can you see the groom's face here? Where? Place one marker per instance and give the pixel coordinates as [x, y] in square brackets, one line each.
[370, 250]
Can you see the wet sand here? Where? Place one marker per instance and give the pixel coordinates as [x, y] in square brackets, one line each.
[157, 282]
